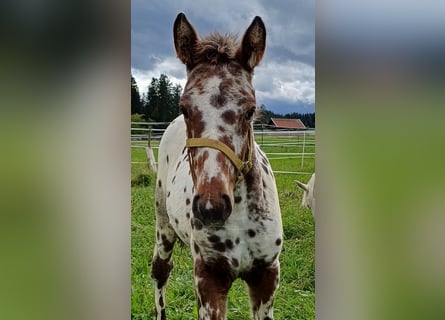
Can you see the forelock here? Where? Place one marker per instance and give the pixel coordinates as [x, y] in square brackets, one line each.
[216, 48]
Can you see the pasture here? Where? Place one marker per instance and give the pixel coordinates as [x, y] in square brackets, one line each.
[295, 298]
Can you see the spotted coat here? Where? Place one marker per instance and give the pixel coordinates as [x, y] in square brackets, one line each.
[233, 230]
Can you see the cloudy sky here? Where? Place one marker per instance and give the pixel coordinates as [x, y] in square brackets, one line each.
[285, 79]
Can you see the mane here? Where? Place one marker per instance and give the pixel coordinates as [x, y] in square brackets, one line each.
[216, 48]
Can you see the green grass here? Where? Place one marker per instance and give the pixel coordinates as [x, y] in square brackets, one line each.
[295, 298]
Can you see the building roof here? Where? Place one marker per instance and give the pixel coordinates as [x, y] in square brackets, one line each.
[287, 123]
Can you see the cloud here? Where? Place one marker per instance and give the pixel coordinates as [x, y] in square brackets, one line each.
[289, 24]
[290, 81]
[287, 72]
[170, 66]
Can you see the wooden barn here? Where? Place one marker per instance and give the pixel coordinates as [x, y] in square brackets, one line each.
[286, 124]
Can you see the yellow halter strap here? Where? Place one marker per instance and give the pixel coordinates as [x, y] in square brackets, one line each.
[243, 165]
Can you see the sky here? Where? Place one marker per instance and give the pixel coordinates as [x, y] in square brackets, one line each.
[285, 79]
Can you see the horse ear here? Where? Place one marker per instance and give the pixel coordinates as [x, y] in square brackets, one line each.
[253, 44]
[185, 39]
[301, 185]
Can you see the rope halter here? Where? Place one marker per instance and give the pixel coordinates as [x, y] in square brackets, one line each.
[243, 165]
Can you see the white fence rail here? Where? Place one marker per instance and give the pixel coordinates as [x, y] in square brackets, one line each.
[148, 134]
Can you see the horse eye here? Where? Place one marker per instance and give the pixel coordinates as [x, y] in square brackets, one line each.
[249, 114]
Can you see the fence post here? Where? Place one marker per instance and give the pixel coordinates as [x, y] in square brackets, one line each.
[304, 144]
[262, 135]
[151, 159]
[149, 136]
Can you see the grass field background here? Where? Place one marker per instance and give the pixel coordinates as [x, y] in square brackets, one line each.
[295, 298]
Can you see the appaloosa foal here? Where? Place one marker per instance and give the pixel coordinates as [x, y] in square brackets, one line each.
[215, 188]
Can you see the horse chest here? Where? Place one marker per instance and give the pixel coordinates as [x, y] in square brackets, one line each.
[252, 233]
[240, 246]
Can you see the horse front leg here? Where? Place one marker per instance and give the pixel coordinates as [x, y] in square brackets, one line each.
[263, 281]
[212, 283]
[161, 264]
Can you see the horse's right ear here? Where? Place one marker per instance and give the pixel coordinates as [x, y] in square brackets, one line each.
[185, 39]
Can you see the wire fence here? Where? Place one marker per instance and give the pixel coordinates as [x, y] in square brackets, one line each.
[298, 145]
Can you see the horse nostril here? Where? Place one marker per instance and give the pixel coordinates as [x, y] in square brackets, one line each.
[210, 211]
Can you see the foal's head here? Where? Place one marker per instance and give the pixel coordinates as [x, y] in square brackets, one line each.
[218, 105]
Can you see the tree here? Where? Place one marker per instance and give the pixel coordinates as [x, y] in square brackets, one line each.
[162, 99]
[264, 115]
[136, 103]
[136, 117]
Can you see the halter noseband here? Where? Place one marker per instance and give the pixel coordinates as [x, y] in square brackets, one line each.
[243, 165]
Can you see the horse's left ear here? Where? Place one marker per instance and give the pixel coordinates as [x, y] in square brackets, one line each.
[253, 44]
